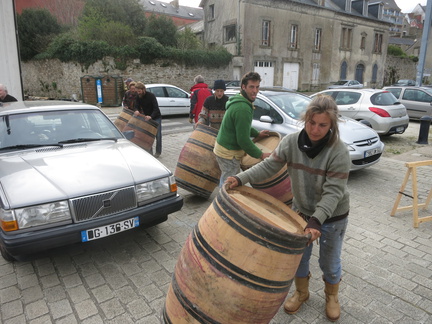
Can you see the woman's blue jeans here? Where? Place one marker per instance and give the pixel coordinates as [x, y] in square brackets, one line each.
[330, 249]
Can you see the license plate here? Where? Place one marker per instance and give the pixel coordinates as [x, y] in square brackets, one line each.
[107, 230]
[372, 152]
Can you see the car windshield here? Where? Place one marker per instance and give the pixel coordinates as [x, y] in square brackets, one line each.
[293, 104]
[385, 98]
[341, 82]
[44, 128]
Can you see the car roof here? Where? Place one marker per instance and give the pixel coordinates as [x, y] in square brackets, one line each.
[160, 85]
[17, 107]
[367, 90]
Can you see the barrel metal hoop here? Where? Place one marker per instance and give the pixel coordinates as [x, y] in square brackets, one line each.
[262, 236]
[263, 185]
[187, 305]
[195, 189]
[197, 173]
[232, 271]
[141, 129]
[200, 144]
[207, 130]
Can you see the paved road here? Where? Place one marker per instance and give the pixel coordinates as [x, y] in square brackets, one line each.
[387, 275]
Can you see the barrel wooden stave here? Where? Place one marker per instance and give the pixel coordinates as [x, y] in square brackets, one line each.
[236, 266]
[123, 118]
[278, 185]
[197, 169]
[144, 131]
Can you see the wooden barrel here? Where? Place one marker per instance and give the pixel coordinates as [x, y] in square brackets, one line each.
[197, 169]
[123, 118]
[144, 131]
[239, 262]
[279, 185]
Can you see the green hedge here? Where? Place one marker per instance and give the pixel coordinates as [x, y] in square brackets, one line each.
[147, 50]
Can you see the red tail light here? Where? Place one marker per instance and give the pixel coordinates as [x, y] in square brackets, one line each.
[380, 112]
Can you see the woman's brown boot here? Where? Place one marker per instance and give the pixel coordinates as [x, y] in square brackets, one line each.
[292, 305]
[332, 301]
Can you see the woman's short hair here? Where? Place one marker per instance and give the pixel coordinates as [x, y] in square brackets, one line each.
[321, 104]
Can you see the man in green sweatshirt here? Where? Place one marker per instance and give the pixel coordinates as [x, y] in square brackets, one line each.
[234, 137]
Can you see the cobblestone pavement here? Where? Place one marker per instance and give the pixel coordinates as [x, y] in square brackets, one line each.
[387, 264]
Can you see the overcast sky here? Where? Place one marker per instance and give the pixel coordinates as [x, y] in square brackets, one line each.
[408, 5]
[404, 5]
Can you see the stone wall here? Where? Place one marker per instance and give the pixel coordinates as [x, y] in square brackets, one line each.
[56, 79]
[399, 68]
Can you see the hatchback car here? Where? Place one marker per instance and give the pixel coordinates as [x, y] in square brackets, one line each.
[405, 83]
[377, 108]
[171, 99]
[417, 100]
[68, 175]
[352, 84]
[280, 111]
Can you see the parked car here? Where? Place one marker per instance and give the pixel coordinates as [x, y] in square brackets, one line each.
[417, 100]
[280, 111]
[377, 108]
[232, 83]
[405, 83]
[352, 84]
[171, 99]
[68, 175]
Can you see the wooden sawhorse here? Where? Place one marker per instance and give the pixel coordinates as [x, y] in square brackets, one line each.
[412, 170]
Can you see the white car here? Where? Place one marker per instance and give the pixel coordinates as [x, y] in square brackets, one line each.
[67, 175]
[171, 99]
[378, 108]
[417, 100]
[279, 110]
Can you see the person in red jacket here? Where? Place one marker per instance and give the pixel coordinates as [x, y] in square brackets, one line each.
[199, 92]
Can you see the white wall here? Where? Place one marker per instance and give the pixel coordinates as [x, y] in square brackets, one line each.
[10, 74]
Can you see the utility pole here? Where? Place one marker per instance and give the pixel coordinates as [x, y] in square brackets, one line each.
[424, 42]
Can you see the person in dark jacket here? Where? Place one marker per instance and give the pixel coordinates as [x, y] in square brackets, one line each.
[4, 96]
[147, 105]
[214, 106]
[199, 92]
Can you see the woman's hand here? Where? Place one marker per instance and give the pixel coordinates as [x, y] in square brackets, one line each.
[315, 234]
[147, 117]
[231, 182]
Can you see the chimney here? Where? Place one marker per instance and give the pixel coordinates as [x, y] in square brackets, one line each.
[175, 4]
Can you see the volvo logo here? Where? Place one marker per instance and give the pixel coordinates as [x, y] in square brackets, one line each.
[106, 203]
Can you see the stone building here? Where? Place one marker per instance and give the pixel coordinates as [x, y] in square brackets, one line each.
[301, 44]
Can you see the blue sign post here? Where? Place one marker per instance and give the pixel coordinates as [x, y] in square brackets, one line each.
[99, 91]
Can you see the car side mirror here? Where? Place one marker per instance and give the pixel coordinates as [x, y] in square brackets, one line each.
[397, 103]
[266, 119]
[129, 134]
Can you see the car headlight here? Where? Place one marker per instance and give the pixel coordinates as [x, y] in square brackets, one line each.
[20, 218]
[150, 190]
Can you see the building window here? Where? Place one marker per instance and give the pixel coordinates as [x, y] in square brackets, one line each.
[378, 43]
[346, 38]
[293, 36]
[211, 12]
[230, 34]
[374, 73]
[343, 71]
[363, 43]
[265, 33]
[317, 39]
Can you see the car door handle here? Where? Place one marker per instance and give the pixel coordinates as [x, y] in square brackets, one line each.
[172, 100]
[351, 108]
